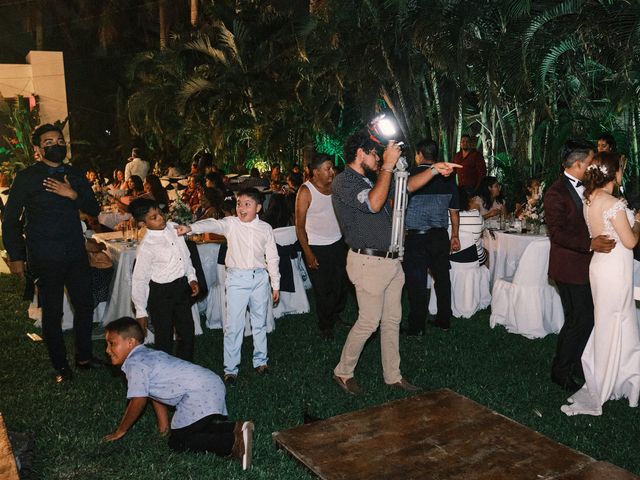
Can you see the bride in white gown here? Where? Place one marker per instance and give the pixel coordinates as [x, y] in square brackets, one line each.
[611, 359]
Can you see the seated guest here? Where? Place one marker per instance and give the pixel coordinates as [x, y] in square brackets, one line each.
[92, 178]
[471, 222]
[488, 200]
[279, 212]
[531, 196]
[135, 188]
[211, 204]
[173, 171]
[255, 180]
[275, 177]
[294, 181]
[118, 182]
[154, 190]
[199, 423]
[191, 195]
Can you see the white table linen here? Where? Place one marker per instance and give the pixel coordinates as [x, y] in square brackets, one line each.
[526, 303]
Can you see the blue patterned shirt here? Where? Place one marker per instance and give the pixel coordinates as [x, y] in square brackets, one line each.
[195, 391]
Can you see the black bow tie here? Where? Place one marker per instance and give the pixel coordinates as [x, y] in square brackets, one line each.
[578, 184]
[58, 169]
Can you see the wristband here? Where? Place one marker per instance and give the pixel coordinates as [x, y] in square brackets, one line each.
[390, 170]
[434, 170]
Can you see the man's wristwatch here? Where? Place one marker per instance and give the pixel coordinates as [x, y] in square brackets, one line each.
[434, 170]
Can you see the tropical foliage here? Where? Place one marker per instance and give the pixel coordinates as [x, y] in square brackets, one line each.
[263, 81]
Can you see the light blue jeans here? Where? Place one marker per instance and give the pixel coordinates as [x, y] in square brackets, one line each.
[246, 288]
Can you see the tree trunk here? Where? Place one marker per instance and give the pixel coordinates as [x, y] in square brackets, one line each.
[634, 140]
[163, 19]
[432, 119]
[444, 136]
[403, 121]
[194, 12]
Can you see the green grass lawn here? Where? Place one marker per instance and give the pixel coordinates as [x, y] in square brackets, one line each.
[507, 373]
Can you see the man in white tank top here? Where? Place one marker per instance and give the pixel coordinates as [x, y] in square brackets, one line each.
[321, 240]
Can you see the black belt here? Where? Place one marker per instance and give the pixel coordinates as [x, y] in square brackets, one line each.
[423, 232]
[375, 253]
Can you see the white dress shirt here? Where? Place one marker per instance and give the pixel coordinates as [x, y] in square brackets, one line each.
[249, 244]
[574, 181]
[162, 257]
[138, 167]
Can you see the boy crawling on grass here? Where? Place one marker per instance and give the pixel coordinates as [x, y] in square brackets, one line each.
[199, 423]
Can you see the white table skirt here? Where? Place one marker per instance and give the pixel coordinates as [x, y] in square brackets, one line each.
[505, 251]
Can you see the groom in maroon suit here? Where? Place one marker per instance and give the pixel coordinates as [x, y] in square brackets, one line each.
[569, 258]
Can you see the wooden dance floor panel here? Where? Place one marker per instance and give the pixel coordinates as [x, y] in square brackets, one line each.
[438, 435]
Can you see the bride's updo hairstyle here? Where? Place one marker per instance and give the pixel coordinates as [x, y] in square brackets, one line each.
[602, 170]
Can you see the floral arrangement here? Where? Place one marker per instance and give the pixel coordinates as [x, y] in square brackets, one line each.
[180, 212]
[534, 209]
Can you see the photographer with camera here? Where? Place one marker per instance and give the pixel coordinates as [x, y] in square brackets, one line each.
[362, 206]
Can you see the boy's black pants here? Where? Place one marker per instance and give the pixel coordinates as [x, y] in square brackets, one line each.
[212, 433]
[169, 307]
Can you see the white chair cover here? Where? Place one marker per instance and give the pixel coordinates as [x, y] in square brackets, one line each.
[291, 302]
[470, 290]
[528, 305]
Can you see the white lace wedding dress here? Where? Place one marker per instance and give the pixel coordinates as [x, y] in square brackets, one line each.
[611, 359]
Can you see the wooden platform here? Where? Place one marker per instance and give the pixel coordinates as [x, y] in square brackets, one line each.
[438, 435]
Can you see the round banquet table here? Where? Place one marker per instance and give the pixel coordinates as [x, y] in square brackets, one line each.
[505, 250]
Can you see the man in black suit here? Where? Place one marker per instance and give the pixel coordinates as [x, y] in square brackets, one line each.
[569, 258]
[44, 204]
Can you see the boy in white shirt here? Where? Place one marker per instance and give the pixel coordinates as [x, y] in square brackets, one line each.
[163, 281]
[251, 261]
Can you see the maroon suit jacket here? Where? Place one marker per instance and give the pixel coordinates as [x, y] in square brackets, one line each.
[569, 257]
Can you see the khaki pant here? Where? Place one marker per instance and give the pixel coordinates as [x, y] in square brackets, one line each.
[378, 283]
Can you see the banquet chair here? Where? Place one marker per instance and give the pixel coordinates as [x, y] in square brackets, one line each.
[297, 301]
[528, 304]
[470, 291]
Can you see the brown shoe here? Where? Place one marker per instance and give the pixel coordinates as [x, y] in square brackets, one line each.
[243, 443]
[230, 379]
[349, 385]
[262, 369]
[404, 385]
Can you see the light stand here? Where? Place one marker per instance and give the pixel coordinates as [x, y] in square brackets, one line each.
[399, 207]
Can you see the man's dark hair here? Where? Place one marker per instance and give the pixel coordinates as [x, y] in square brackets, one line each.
[41, 130]
[136, 152]
[318, 159]
[574, 150]
[465, 135]
[354, 142]
[126, 327]
[252, 193]
[141, 206]
[607, 137]
[428, 149]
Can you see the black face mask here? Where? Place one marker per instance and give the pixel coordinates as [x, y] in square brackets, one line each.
[55, 153]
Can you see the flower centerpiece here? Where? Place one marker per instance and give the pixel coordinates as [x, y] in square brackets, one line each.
[180, 212]
[533, 212]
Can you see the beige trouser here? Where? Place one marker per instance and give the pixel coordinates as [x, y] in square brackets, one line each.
[378, 283]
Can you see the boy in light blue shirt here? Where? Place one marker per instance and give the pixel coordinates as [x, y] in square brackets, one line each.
[199, 423]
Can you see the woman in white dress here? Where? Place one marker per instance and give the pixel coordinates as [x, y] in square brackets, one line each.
[611, 359]
[488, 200]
